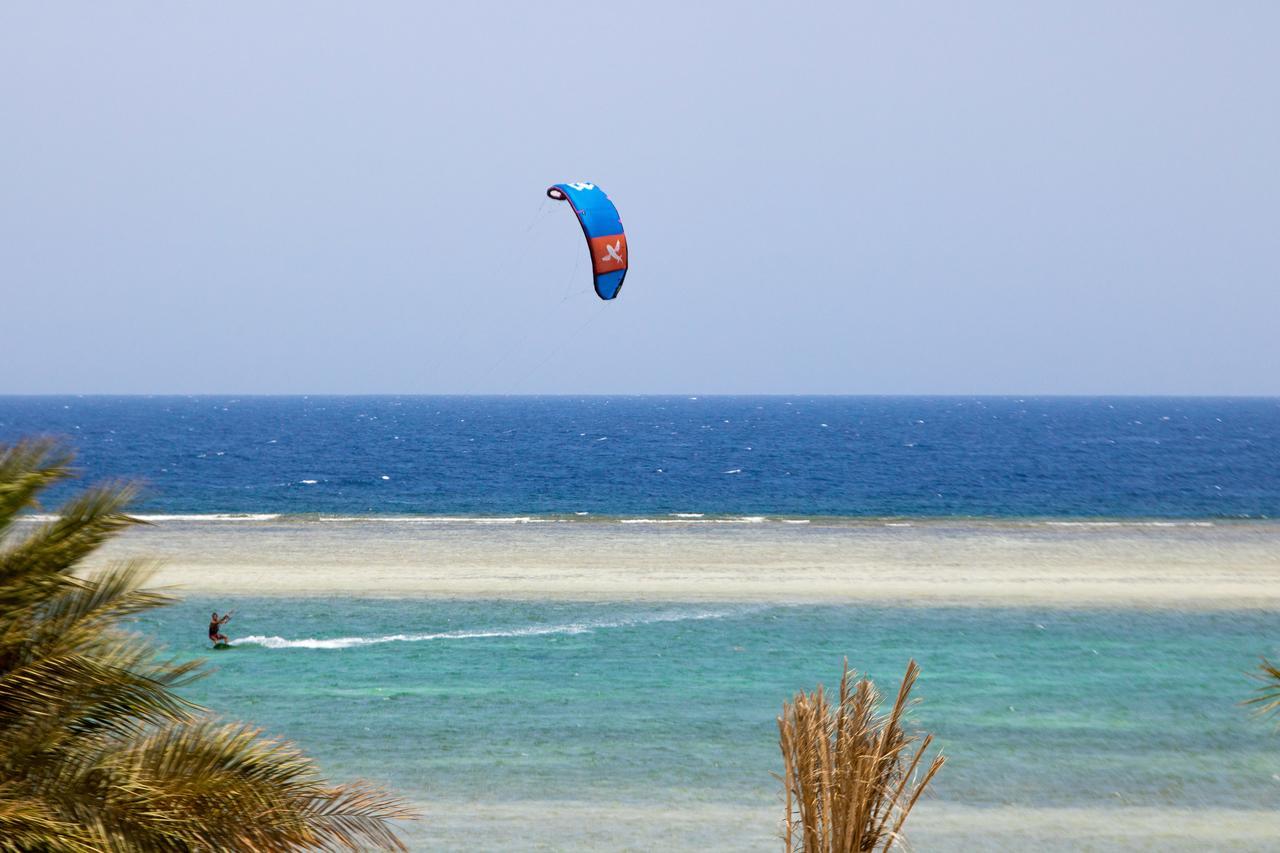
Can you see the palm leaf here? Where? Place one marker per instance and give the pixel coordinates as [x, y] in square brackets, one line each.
[26, 469]
[97, 752]
[27, 824]
[83, 524]
[262, 792]
[78, 615]
[850, 777]
[1267, 702]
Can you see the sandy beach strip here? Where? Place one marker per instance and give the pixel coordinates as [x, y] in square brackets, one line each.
[934, 825]
[1234, 565]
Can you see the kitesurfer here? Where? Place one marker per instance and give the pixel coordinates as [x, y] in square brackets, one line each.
[215, 625]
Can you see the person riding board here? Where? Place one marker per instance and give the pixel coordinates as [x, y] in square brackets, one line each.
[215, 625]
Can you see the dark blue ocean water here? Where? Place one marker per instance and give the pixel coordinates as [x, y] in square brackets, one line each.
[850, 456]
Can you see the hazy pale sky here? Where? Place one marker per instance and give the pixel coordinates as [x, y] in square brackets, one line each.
[859, 197]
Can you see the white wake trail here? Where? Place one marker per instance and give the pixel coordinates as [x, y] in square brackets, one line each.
[563, 629]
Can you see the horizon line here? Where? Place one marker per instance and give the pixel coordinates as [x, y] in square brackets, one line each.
[663, 394]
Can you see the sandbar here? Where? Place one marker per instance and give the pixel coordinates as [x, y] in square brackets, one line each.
[1196, 565]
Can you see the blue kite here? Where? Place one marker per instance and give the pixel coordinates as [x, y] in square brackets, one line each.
[603, 229]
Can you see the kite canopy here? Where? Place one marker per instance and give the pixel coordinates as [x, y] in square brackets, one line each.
[603, 230]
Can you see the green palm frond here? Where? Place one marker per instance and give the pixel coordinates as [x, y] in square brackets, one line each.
[46, 685]
[83, 524]
[356, 814]
[79, 614]
[96, 750]
[1267, 700]
[26, 469]
[262, 792]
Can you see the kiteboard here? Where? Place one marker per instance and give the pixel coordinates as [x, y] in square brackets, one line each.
[218, 647]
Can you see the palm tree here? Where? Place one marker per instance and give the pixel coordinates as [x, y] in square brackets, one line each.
[849, 775]
[97, 751]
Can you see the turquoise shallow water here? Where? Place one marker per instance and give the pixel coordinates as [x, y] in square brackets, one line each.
[501, 701]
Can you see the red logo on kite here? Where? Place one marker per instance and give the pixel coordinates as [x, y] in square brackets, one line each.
[609, 253]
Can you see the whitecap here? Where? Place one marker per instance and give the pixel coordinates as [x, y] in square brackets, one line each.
[435, 519]
[213, 516]
[745, 519]
[159, 517]
[1083, 523]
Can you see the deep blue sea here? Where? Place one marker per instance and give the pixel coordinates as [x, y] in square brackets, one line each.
[621, 456]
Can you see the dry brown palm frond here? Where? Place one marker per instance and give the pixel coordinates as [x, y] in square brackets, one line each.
[1267, 702]
[850, 775]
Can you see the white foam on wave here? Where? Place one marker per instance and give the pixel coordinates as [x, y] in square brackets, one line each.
[522, 519]
[154, 517]
[745, 519]
[435, 519]
[565, 629]
[1083, 523]
[216, 516]
[1126, 523]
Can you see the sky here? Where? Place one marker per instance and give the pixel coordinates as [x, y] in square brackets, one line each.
[843, 198]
